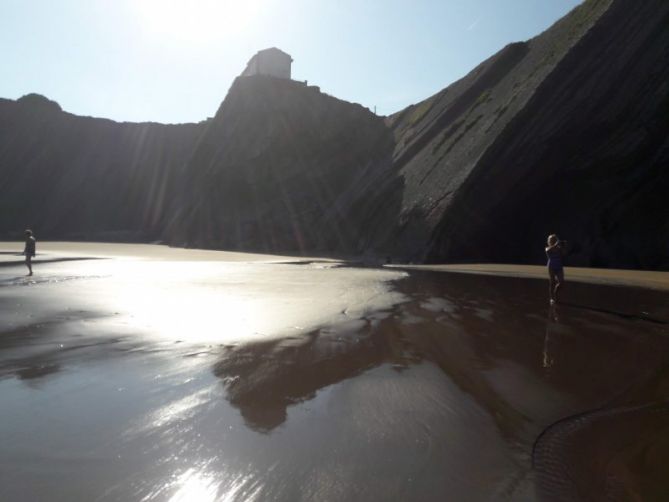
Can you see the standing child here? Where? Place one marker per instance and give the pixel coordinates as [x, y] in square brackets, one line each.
[29, 250]
[555, 251]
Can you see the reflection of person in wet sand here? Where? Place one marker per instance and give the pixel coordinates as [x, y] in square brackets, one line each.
[552, 319]
[555, 251]
[29, 250]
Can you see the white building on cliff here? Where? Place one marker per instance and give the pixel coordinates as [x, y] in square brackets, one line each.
[273, 62]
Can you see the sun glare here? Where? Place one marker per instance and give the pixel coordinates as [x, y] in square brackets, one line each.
[195, 487]
[196, 20]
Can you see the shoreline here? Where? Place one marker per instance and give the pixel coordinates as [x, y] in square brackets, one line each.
[611, 277]
[72, 250]
[55, 251]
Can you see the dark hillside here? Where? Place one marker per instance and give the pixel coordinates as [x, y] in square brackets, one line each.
[283, 167]
[565, 133]
[82, 177]
[441, 140]
[587, 157]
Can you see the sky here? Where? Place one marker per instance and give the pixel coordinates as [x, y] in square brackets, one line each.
[173, 61]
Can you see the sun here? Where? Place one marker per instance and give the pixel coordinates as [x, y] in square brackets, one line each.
[196, 20]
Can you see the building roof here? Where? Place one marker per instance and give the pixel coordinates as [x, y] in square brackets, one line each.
[274, 49]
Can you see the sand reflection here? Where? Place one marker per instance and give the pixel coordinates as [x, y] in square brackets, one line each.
[553, 318]
[228, 302]
[195, 487]
[204, 485]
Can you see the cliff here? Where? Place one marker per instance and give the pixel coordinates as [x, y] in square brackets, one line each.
[81, 177]
[564, 133]
[282, 168]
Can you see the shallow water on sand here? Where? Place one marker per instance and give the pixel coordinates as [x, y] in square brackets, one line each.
[136, 380]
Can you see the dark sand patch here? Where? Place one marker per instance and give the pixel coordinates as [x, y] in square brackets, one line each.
[611, 277]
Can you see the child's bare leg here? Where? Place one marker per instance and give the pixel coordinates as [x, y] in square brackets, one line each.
[551, 286]
[560, 281]
[29, 265]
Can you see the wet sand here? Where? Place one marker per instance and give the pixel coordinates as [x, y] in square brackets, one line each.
[10, 252]
[145, 377]
[633, 278]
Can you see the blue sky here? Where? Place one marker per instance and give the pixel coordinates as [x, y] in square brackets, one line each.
[174, 60]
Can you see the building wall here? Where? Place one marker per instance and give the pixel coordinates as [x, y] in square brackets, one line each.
[273, 63]
[251, 67]
[270, 62]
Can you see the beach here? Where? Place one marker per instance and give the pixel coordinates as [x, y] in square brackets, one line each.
[142, 372]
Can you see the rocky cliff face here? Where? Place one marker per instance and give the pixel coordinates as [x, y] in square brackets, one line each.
[564, 133]
[282, 167]
[81, 177]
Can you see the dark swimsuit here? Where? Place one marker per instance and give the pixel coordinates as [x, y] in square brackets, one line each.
[554, 259]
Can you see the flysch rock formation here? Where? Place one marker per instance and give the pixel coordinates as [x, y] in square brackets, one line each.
[282, 167]
[565, 133]
[71, 177]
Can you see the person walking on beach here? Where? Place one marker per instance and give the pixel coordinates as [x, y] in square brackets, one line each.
[29, 250]
[555, 250]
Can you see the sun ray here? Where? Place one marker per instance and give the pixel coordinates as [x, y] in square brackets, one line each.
[196, 20]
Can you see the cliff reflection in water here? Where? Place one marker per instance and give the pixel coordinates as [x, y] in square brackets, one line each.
[494, 337]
